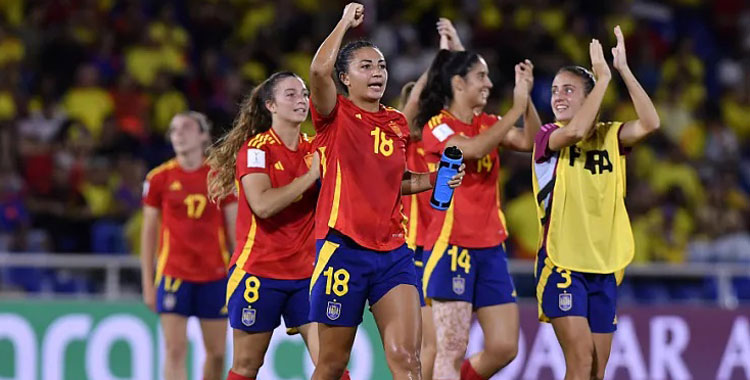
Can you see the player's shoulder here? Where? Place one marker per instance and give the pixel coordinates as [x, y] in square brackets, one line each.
[441, 118]
[263, 141]
[162, 169]
[487, 118]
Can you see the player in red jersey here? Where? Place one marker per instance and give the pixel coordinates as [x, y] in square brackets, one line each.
[191, 272]
[466, 267]
[273, 167]
[361, 252]
[417, 206]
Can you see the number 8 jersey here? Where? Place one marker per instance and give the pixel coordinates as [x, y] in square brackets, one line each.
[192, 243]
[363, 155]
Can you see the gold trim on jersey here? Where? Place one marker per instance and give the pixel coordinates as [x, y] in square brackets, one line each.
[170, 164]
[239, 269]
[411, 232]
[326, 251]
[441, 245]
[336, 198]
[163, 254]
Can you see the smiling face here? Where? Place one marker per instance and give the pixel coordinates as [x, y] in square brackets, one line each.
[291, 100]
[367, 75]
[475, 86]
[568, 95]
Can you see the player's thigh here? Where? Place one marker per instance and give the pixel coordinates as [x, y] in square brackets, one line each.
[249, 349]
[452, 323]
[575, 338]
[309, 332]
[399, 321]
[449, 274]
[335, 344]
[429, 339]
[174, 327]
[214, 331]
[340, 281]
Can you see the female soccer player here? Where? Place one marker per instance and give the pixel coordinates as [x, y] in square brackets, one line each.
[579, 181]
[417, 206]
[467, 267]
[361, 251]
[191, 274]
[275, 169]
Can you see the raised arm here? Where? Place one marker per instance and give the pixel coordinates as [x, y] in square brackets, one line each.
[322, 85]
[267, 201]
[449, 40]
[523, 139]
[648, 119]
[583, 121]
[478, 146]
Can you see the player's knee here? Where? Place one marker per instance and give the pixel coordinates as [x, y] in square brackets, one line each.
[429, 350]
[501, 352]
[176, 353]
[332, 365]
[403, 357]
[580, 358]
[246, 365]
[215, 359]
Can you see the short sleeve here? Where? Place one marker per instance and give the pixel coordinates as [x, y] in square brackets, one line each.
[322, 123]
[624, 150]
[436, 138]
[153, 188]
[541, 142]
[252, 160]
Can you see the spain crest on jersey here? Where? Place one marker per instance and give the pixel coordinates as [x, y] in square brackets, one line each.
[333, 311]
[459, 285]
[248, 316]
[565, 301]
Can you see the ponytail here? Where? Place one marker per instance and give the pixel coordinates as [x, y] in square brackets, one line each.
[438, 91]
[253, 118]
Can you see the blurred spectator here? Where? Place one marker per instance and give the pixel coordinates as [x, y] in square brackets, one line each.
[88, 101]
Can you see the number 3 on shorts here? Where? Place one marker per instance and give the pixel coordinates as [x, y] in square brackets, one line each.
[252, 284]
[338, 281]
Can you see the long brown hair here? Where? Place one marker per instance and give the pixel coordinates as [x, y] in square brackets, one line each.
[252, 119]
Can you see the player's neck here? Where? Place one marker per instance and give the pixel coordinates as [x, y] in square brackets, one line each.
[191, 160]
[461, 112]
[367, 105]
[287, 132]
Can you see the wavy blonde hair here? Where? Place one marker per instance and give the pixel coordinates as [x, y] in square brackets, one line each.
[252, 119]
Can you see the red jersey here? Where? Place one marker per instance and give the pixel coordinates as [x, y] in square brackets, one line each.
[280, 247]
[192, 246]
[416, 206]
[363, 155]
[471, 221]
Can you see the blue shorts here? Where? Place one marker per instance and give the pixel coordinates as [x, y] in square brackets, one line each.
[564, 293]
[347, 275]
[476, 275]
[201, 299]
[256, 304]
[419, 267]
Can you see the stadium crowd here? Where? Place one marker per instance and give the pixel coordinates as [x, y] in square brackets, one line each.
[88, 87]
